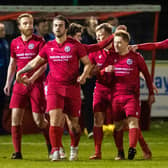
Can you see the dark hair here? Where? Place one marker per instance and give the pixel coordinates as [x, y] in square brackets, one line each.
[125, 35]
[110, 18]
[106, 26]
[74, 28]
[63, 18]
[40, 20]
[114, 20]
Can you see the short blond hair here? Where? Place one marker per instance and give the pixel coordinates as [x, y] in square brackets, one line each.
[23, 15]
[106, 26]
[124, 34]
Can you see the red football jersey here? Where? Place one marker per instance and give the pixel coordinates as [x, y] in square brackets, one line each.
[63, 60]
[101, 59]
[126, 74]
[24, 51]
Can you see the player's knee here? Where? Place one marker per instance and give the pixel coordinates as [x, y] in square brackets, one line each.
[75, 126]
[76, 129]
[118, 125]
[38, 122]
[133, 122]
[57, 118]
[98, 120]
[17, 117]
[16, 122]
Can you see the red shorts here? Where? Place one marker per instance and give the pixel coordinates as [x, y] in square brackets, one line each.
[124, 106]
[71, 106]
[21, 95]
[66, 98]
[102, 103]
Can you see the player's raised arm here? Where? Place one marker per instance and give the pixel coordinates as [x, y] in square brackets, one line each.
[34, 63]
[102, 44]
[150, 46]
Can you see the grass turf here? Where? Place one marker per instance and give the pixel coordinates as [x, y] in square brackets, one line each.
[35, 152]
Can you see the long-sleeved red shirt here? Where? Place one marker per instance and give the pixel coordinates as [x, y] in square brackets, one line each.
[153, 46]
[96, 47]
[126, 74]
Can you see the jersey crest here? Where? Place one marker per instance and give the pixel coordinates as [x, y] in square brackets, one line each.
[31, 46]
[129, 61]
[67, 49]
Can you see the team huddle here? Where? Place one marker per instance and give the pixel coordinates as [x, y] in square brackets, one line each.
[117, 68]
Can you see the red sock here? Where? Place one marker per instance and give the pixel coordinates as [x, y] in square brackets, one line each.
[75, 138]
[61, 145]
[133, 137]
[98, 137]
[45, 132]
[142, 143]
[118, 139]
[55, 137]
[16, 137]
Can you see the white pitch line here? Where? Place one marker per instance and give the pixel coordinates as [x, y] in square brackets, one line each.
[82, 143]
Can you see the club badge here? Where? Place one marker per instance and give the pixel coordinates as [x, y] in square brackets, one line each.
[67, 49]
[31, 46]
[129, 61]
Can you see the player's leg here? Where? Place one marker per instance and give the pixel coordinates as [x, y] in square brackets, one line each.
[133, 136]
[55, 106]
[61, 151]
[57, 121]
[75, 134]
[17, 104]
[38, 104]
[118, 139]
[73, 106]
[147, 154]
[43, 125]
[99, 108]
[118, 117]
[16, 131]
[69, 126]
[132, 111]
[98, 134]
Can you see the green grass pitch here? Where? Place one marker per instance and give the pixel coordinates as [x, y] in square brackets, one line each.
[35, 152]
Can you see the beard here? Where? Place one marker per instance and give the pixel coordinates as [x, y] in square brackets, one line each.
[60, 34]
[27, 32]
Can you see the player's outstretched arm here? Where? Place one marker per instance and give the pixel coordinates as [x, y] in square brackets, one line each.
[102, 44]
[151, 46]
